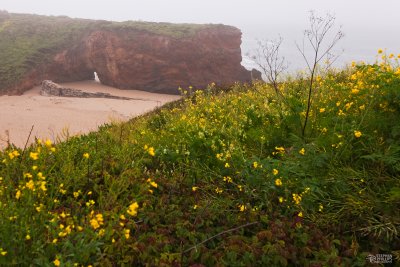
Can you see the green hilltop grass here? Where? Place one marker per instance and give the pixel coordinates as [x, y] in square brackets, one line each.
[219, 178]
[27, 41]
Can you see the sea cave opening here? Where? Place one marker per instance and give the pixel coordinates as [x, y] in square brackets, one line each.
[96, 77]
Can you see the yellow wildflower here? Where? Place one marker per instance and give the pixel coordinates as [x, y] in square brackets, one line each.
[18, 194]
[380, 51]
[275, 171]
[90, 203]
[28, 237]
[99, 218]
[152, 183]
[322, 110]
[101, 232]
[280, 199]
[195, 207]
[86, 155]
[355, 91]
[218, 190]
[357, 134]
[255, 164]
[151, 151]
[122, 217]
[242, 208]
[56, 262]
[34, 155]
[39, 208]
[43, 186]
[278, 182]
[296, 198]
[302, 151]
[227, 165]
[127, 233]
[132, 209]
[300, 214]
[320, 208]
[194, 188]
[228, 179]
[94, 223]
[13, 154]
[30, 185]
[48, 143]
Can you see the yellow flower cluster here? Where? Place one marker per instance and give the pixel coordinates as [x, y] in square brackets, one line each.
[133, 209]
[13, 154]
[296, 198]
[152, 183]
[150, 150]
[357, 134]
[97, 220]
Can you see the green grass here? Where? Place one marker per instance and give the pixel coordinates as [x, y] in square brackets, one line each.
[30, 41]
[220, 178]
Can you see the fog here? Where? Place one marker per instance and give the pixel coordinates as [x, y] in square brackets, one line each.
[368, 25]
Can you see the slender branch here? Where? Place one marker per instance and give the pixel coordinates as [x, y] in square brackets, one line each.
[219, 234]
[26, 143]
[270, 62]
[319, 28]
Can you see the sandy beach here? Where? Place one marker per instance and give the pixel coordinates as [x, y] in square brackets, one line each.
[52, 117]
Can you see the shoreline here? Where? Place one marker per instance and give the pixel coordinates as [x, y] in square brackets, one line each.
[55, 118]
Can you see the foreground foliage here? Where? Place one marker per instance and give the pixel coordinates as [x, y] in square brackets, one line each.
[220, 178]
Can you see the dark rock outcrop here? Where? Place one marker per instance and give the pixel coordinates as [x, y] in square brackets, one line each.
[50, 88]
[136, 58]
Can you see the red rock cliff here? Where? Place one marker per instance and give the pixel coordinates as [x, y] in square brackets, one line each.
[129, 58]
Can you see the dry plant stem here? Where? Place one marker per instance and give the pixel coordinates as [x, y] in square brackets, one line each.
[219, 234]
[26, 143]
[268, 60]
[319, 28]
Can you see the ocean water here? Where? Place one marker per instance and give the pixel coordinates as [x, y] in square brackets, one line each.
[358, 44]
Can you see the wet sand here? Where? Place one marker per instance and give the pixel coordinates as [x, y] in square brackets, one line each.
[53, 117]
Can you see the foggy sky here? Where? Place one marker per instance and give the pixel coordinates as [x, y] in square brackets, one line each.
[367, 24]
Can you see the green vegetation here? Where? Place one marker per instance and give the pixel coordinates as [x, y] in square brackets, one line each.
[221, 177]
[162, 28]
[29, 41]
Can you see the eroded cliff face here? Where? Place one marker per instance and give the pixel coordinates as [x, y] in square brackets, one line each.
[129, 58]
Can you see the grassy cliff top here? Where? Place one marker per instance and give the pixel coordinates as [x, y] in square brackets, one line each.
[27, 40]
[219, 178]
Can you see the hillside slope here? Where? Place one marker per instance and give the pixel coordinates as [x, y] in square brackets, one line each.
[220, 178]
